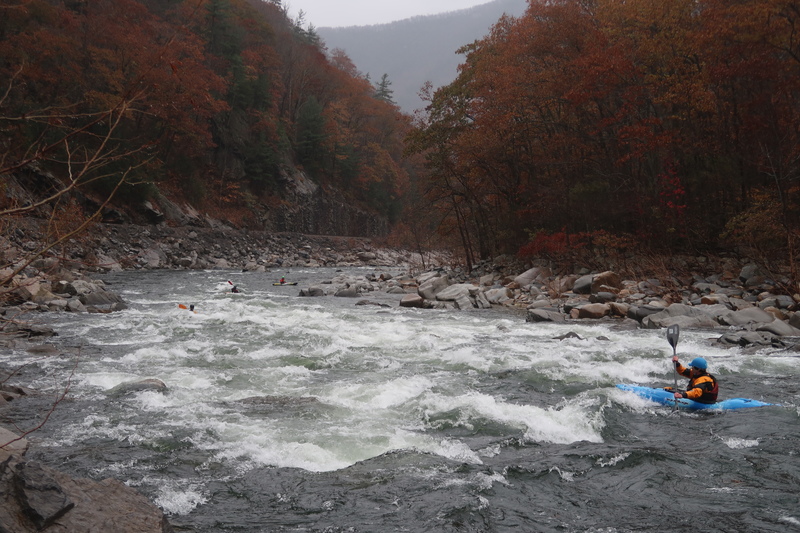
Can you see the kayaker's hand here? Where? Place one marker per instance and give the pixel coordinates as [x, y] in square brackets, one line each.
[678, 395]
[674, 358]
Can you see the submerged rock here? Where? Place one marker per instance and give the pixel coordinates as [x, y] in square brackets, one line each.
[150, 384]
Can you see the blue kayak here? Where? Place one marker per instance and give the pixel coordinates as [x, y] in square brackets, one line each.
[665, 397]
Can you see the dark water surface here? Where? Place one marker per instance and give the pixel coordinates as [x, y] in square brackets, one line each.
[314, 414]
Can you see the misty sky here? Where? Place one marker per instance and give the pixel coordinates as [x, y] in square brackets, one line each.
[325, 13]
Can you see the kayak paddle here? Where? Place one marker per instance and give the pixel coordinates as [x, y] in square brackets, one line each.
[673, 332]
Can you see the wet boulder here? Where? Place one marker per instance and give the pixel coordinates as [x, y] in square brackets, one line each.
[347, 292]
[312, 292]
[747, 338]
[743, 317]
[591, 311]
[27, 330]
[431, 287]
[779, 327]
[102, 302]
[479, 299]
[412, 300]
[682, 315]
[639, 312]
[39, 498]
[150, 384]
[544, 315]
[39, 494]
[498, 296]
[459, 294]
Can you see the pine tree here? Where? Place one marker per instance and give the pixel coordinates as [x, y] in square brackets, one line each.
[383, 91]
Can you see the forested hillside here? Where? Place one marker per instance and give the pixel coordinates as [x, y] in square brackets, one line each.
[581, 127]
[624, 125]
[417, 50]
[225, 104]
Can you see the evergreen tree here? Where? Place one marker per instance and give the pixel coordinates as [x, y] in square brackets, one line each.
[383, 91]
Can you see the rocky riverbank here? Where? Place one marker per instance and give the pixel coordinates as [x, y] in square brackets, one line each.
[743, 308]
[65, 279]
[745, 303]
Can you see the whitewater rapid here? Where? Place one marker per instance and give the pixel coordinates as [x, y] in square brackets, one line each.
[266, 379]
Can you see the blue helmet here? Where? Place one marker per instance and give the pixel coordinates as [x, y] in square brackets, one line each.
[699, 363]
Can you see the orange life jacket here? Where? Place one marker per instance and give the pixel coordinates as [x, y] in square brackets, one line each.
[710, 388]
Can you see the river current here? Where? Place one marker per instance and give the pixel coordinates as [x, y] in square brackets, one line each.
[295, 414]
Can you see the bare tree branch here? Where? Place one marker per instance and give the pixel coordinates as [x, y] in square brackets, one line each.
[59, 398]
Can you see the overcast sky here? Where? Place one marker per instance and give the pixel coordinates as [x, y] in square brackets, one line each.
[324, 13]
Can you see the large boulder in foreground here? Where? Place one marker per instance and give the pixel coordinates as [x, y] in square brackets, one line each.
[38, 498]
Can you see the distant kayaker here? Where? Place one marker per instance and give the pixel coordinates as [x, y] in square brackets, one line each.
[282, 281]
[703, 387]
[235, 289]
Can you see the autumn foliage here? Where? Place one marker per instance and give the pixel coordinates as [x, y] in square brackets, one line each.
[220, 98]
[581, 125]
[666, 121]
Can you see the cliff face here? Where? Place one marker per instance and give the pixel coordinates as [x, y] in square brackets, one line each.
[313, 210]
[305, 208]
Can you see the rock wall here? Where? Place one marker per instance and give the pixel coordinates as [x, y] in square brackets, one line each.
[314, 210]
[306, 207]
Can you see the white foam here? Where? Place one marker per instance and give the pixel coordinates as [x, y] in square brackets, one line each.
[790, 520]
[569, 423]
[613, 460]
[383, 381]
[178, 497]
[380, 395]
[738, 444]
[565, 475]
[106, 380]
[451, 449]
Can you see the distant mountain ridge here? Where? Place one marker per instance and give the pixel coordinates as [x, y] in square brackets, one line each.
[418, 49]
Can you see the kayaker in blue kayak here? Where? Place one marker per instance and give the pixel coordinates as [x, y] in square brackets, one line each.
[703, 387]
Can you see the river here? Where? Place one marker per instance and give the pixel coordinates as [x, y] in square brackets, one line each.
[295, 414]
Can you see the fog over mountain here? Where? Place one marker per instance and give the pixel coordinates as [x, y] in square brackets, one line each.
[418, 49]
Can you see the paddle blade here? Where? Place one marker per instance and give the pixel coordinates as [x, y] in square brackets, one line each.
[673, 332]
